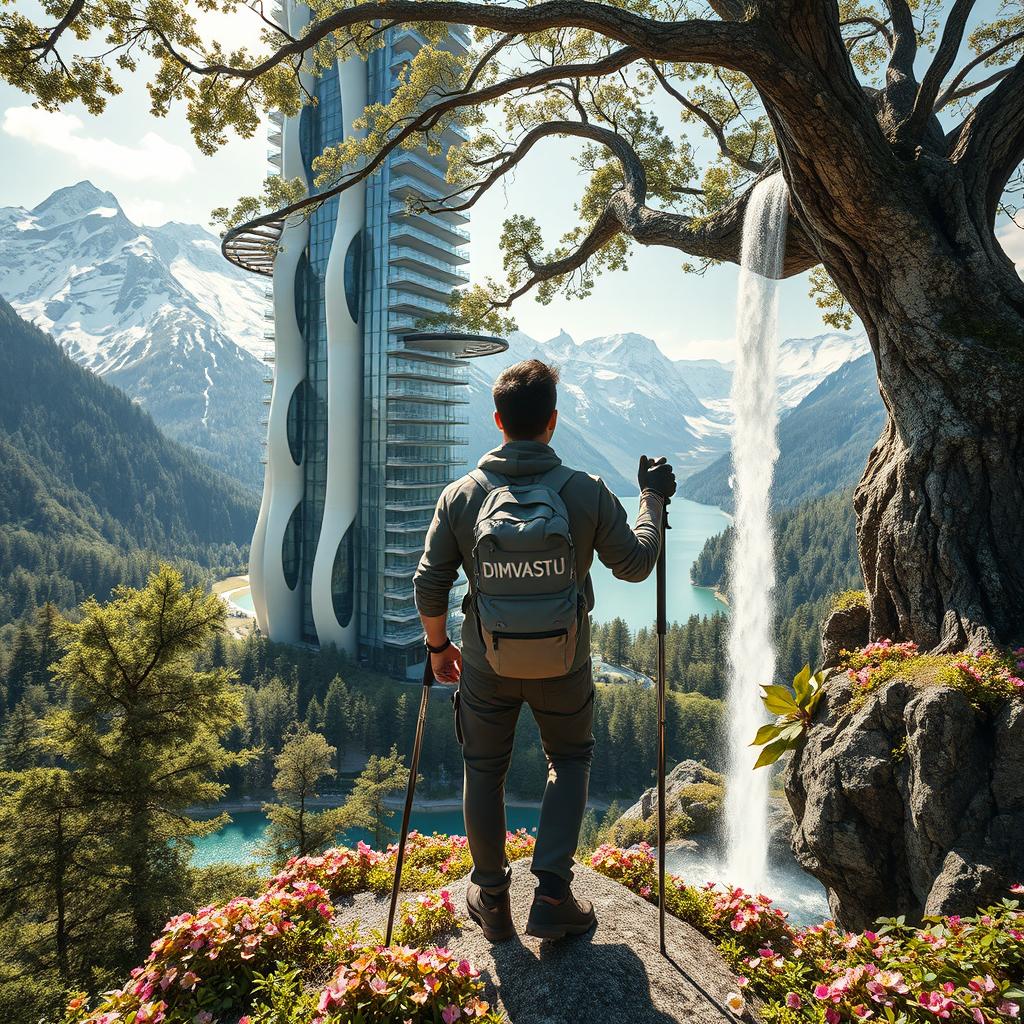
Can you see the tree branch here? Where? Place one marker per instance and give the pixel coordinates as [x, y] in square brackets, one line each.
[426, 118]
[989, 145]
[729, 44]
[913, 129]
[950, 93]
[754, 166]
[900, 83]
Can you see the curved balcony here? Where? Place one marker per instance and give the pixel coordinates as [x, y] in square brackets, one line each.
[443, 269]
[253, 246]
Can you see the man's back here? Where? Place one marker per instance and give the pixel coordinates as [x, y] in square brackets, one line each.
[597, 522]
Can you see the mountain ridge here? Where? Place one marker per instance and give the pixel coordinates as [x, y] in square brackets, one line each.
[155, 310]
[92, 494]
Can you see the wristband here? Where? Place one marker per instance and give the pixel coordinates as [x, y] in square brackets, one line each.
[437, 650]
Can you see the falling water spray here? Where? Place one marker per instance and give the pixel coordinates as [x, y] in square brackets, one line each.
[751, 652]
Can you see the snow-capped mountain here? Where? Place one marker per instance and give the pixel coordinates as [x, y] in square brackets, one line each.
[155, 310]
[620, 395]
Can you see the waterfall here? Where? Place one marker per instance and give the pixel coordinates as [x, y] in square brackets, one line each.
[751, 652]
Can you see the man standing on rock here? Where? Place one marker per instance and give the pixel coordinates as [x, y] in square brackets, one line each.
[525, 529]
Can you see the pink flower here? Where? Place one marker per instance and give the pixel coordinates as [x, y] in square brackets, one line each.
[1009, 1009]
[937, 1003]
[645, 891]
[1017, 888]
[793, 1001]
[450, 1014]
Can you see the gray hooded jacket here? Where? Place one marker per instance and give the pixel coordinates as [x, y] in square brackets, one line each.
[596, 518]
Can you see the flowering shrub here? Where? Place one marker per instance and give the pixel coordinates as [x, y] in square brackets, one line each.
[430, 862]
[202, 963]
[990, 675]
[425, 918]
[965, 969]
[378, 985]
[876, 663]
[987, 677]
[205, 965]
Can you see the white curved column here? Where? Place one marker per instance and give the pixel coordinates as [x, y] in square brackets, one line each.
[278, 607]
[344, 390]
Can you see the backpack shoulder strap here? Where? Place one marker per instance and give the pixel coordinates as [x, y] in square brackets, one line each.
[487, 479]
[557, 478]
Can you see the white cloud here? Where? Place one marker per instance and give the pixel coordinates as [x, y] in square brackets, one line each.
[141, 210]
[151, 159]
[1011, 238]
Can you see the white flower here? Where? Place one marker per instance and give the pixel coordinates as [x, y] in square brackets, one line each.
[735, 1003]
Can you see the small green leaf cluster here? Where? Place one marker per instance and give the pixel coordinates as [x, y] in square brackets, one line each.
[795, 709]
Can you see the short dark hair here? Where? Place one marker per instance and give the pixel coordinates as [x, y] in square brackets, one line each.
[525, 395]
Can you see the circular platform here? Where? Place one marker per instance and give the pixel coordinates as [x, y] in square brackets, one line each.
[456, 343]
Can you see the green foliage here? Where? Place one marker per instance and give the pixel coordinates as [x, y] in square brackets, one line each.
[142, 731]
[91, 493]
[293, 829]
[366, 807]
[795, 710]
[829, 299]
[849, 599]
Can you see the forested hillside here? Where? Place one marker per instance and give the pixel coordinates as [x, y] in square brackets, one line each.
[91, 492]
[823, 442]
[815, 558]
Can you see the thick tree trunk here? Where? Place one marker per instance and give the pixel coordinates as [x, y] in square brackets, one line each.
[940, 508]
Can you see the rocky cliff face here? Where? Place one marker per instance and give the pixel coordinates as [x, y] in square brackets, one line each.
[911, 804]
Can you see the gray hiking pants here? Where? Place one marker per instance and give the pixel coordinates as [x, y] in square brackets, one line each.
[488, 710]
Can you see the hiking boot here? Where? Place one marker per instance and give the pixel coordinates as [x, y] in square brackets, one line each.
[492, 912]
[555, 919]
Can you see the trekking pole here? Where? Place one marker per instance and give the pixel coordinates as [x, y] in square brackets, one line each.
[661, 627]
[410, 792]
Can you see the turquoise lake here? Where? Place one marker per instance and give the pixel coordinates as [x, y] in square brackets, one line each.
[237, 842]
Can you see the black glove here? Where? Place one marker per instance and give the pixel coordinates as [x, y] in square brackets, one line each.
[656, 475]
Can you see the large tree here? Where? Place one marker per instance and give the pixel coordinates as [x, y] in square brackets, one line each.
[899, 128]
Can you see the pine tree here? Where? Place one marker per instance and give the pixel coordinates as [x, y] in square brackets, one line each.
[294, 830]
[59, 895]
[366, 806]
[143, 730]
[617, 642]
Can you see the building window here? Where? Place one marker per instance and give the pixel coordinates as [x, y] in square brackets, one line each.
[354, 274]
[342, 582]
[291, 547]
[295, 423]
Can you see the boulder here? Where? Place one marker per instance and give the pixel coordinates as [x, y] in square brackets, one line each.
[910, 802]
[844, 629]
[684, 775]
[615, 973]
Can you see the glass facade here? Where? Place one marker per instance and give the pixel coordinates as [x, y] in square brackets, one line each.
[399, 269]
[412, 406]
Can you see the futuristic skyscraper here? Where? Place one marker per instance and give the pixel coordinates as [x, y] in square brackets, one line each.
[364, 419]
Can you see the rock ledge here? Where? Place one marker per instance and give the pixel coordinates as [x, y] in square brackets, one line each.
[615, 973]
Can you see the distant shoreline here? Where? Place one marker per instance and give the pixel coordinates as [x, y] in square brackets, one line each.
[442, 803]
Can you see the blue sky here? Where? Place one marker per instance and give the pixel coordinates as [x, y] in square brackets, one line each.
[153, 167]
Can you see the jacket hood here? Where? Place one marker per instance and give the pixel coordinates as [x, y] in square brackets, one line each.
[520, 458]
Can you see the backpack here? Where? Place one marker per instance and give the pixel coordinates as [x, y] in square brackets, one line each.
[525, 589]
